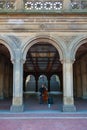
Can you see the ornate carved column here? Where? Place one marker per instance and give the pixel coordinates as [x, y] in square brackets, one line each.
[68, 101]
[19, 4]
[17, 103]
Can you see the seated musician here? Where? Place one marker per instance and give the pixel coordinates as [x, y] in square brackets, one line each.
[43, 94]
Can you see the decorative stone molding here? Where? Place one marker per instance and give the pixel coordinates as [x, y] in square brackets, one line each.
[7, 4]
[77, 4]
[43, 5]
[16, 40]
[67, 60]
[68, 39]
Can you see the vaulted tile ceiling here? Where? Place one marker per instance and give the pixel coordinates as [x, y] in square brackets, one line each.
[42, 57]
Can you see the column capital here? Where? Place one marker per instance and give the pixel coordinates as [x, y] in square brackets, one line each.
[18, 60]
[67, 61]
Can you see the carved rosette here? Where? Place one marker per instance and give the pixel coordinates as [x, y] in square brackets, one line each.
[43, 5]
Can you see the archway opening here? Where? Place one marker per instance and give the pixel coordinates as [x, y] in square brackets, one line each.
[55, 83]
[30, 83]
[80, 78]
[42, 80]
[6, 78]
[42, 61]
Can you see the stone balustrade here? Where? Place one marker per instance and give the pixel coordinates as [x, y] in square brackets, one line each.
[7, 4]
[44, 5]
[77, 4]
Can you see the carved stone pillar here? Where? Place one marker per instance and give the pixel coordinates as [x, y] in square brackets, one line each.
[68, 101]
[17, 103]
[19, 4]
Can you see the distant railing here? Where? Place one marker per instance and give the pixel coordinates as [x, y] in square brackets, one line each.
[44, 5]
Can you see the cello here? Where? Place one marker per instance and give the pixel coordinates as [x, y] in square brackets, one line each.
[45, 95]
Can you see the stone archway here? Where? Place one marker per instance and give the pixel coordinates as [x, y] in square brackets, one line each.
[30, 52]
[56, 42]
[80, 76]
[80, 73]
[75, 44]
[55, 83]
[6, 72]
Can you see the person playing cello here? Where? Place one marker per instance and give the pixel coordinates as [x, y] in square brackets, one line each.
[43, 94]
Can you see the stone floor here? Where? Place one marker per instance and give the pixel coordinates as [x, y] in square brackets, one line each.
[43, 121]
[31, 103]
[40, 117]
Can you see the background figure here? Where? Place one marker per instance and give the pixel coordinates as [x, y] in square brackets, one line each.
[41, 90]
[43, 94]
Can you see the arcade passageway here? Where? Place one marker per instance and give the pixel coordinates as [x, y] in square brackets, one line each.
[43, 65]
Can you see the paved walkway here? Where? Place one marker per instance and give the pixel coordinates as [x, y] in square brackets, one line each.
[41, 117]
[43, 121]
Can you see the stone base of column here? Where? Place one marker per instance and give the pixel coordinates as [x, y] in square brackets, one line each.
[15, 108]
[69, 108]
